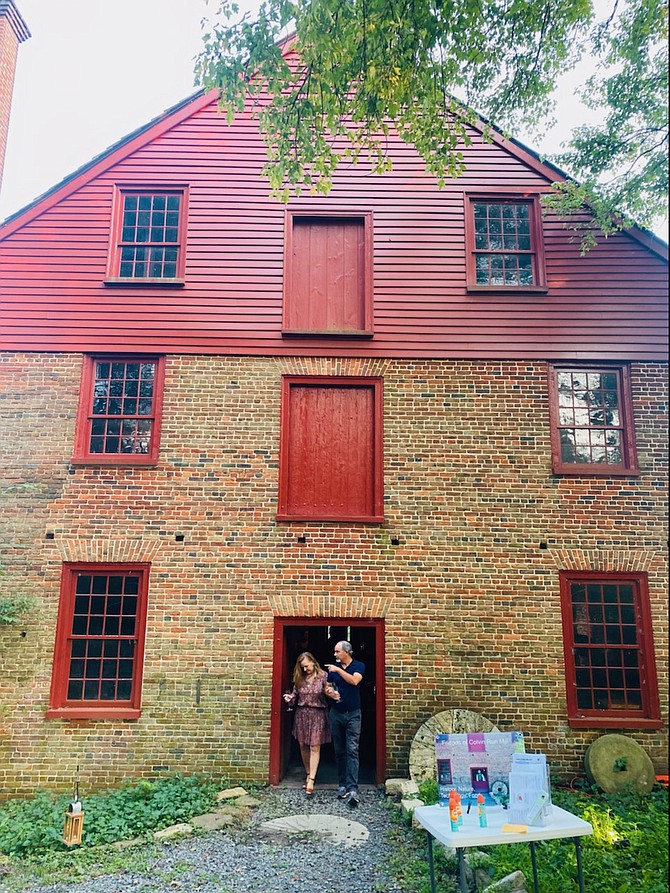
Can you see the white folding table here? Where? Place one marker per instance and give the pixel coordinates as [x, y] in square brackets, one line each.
[560, 823]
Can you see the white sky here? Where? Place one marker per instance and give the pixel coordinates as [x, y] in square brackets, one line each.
[95, 70]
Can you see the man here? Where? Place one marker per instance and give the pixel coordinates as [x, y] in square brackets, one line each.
[344, 678]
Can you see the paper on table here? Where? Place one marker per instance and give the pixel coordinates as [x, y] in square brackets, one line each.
[529, 789]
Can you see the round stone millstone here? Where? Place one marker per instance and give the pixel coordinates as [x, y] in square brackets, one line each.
[450, 722]
[617, 763]
[337, 830]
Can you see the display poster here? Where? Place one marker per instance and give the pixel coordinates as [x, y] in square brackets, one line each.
[475, 763]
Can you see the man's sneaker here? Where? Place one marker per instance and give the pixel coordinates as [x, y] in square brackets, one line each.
[341, 793]
[353, 799]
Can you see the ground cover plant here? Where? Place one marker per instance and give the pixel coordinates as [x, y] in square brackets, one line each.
[35, 826]
[627, 852]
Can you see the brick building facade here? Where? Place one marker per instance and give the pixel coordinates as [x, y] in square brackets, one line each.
[488, 555]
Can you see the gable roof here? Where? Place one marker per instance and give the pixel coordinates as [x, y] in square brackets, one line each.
[192, 104]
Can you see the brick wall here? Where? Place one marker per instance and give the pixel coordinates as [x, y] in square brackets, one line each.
[13, 31]
[469, 595]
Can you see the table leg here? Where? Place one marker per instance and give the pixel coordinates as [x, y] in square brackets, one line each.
[533, 859]
[580, 870]
[431, 869]
[463, 881]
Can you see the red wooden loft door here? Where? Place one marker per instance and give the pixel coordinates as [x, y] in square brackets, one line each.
[328, 287]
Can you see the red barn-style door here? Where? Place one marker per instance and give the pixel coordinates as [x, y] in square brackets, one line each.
[318, 636]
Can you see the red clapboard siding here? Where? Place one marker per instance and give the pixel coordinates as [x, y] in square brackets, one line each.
[609, 304]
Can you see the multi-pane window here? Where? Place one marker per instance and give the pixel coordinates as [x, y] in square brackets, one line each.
[99, 640]
[149, 235]
[591, 420]
[609, 654]
[331, 466]
[504, 240]
[120, 410]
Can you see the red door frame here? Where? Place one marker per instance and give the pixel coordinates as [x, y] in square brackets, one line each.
[278, 684]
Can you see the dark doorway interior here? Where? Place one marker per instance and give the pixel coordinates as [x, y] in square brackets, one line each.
[321, 641]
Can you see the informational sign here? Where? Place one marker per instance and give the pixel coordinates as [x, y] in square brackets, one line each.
[476, 763]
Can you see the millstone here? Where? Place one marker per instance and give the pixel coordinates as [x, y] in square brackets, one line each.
[332, 828]
[450, 722]
[617, 763]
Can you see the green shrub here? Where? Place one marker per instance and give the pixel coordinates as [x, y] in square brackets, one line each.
[428, 791]
[35, 826]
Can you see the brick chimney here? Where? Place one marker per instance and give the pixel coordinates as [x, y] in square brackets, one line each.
[13, 31]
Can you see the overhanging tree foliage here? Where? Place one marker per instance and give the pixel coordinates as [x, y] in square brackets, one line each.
[425, 65]
[622, 163]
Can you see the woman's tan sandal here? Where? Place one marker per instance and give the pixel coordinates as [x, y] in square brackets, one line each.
[309, 786]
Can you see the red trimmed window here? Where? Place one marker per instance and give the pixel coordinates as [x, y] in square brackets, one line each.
[591, 411]
[609, 653]
[99, 642]
[331, 449]
[119, 411]
[328, 275]
[504, 243]
[148, 236]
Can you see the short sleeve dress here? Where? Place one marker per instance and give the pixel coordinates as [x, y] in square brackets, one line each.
[311, 713]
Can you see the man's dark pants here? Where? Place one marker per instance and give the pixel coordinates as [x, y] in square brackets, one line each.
[345, 728]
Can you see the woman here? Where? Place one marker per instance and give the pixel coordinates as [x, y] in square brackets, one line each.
[310, 727]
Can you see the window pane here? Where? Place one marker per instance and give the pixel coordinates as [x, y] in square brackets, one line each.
[606, 668]
[502, 228]
[99, 658]
[589, 417]
[94, 648]
[124, 382]
[74, 691]
[107, 690]
[154, 223]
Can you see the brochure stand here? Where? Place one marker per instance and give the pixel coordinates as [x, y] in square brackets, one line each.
[529, 789]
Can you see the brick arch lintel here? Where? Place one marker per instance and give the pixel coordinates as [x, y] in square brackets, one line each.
[111, 551]
[621, 561]
[352, 366]
[327, 606]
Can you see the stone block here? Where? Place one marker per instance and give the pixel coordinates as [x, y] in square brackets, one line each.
[212, 821]
[231, 794]
[183, 829]
[512, 883]
[248, 802]
[410, 805]
[401, 786]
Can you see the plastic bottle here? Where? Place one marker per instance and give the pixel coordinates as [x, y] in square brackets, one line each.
[454, 808]
[481, 811]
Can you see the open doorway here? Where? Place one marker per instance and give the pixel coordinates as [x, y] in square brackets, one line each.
[294, 635]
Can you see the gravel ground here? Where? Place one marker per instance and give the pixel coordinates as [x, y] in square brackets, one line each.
[241, 861]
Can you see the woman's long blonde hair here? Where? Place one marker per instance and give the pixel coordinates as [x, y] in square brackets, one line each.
[298, 678]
